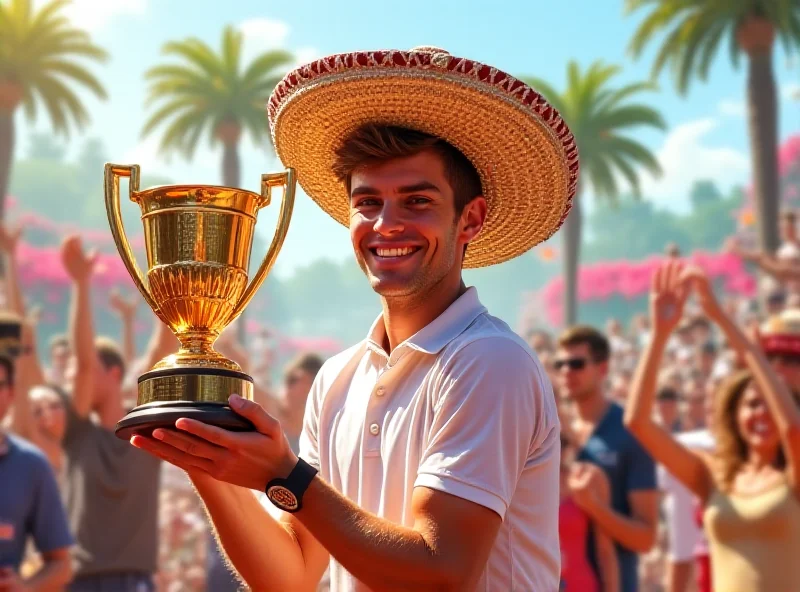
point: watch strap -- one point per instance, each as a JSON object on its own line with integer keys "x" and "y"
{"x": 296, "y": 483}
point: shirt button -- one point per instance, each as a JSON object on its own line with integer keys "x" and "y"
{"x": 380, "y": 391}
{"x": 374, "y": 429}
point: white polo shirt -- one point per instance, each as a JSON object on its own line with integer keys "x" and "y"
{"x": 463, "y": 407}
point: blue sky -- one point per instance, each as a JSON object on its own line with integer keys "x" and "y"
{"x": 707, "y": 130}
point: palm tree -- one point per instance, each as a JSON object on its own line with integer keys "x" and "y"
{"x": 599, "y": 115}
{"x": 694, "y": 31}
{"x": 38, "y": 51}
{"x": 209, "y": 91}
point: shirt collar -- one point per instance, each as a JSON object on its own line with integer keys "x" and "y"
{"x": 432, "y": 338}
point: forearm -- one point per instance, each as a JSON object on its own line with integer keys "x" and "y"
{"x": 16, "y": 303}
{"x": 607, "y": 562}
{"x": 639, "y": 407}
{"x": 128, "y": 339}
{"x": 263, "y": 551}
{"x": 81, "y": 329}
{"x": 633, "y": 534}
{"x": 779, "y": 269}
{"x": 776, "y": 393}
{"x": 379, "y": 553}
{"x": 53, "y": 576}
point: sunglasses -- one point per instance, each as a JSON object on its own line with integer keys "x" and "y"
{"x": 571, "y": 363}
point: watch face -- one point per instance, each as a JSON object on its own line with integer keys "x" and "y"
{"x": 282, "y": 497}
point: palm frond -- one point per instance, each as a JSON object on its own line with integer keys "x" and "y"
{"x": 77, "y": 73}
{"x": 633, "y": 150}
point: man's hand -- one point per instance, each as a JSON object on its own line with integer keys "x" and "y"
{"x": 246, "y": 459}
{"x": 78, "y": 265}
{"x": 126, "y": 308}
{"x": 588, "y": 485}
{"x": 9, "y": 239}
{"x": 10, "y": 581}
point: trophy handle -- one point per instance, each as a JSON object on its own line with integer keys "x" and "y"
{"x": 287, "y": 180}
{"x": 113, "y": 172}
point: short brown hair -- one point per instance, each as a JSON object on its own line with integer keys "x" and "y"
{"x": 373, "y": 144}
{"x": 598, "y": 344}
{"x": 309, "y": 363}
{"x": 110, "y": 355}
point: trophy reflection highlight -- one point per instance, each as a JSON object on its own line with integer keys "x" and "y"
{"x": 198, "y": 240}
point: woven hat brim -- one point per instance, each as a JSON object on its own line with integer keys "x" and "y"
{"x": 527, "y": 177}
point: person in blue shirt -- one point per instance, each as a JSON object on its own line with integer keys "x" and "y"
{"x": 604, "y": 444}
{"x": 30, "y": 507}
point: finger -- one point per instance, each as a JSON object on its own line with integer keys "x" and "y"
{"x": 263, "y": 421}
{"x": 217, "y": 436}
{"x": 187, "y": 443}
{"x": 674, "y": 274}
{"x": 171, "y": 454}
{"x": 656, "y": 284}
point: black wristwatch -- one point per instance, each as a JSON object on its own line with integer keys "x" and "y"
{"x": 287, "y": 494}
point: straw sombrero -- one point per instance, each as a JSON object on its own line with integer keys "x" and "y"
{"x": 780, "y": 334}
{"x": 524, "y": 153}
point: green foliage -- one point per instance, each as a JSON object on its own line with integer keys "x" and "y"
{"x": 601, "y": 117}
{"x": 39, "y": 50}
{"x": 693, "y": 30}
{"x": 206, "y": 89}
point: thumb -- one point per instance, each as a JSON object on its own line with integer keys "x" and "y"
{"x": 263, "y": 421}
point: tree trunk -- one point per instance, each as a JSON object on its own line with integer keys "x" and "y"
{"x": 572, "y": 233}
{"x": 6, "y": 158}
{"x": 6, "y": 155}
{"x": 763, "y": 124}
{"x": 231, "y": 177}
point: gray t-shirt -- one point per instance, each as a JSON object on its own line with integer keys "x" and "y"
{"x": 30, "y": 505}
{"x": 111, "y": 491}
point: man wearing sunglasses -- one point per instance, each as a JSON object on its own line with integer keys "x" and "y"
{"x": 603, "y": 442}
{"x": 780, "y": 339}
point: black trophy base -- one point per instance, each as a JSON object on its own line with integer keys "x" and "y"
{"x": 143, "y": 420}
{"x": 167, "y": 394}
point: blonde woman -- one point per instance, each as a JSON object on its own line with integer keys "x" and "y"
{"x": 749, "y": 486}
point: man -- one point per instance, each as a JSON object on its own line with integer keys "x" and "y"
{"x": 30, "y": 507}
{"x": 298, "y": 377}
{"x": 430, "y": 450}
{"x": 632, "y": 518}
{"x": 110, "y": 489}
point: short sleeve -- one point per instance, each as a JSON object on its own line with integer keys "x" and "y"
{"x": 309, "y": 437}
{"x": 49, "y": 527}
{"x": 641, "y": 468}
{"x": 493, "y": 411}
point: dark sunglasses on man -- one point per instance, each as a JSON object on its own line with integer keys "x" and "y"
{"x": 571, "y": 363}
{"x": 785, "y": 359}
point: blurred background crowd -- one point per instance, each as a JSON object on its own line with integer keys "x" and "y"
{"x": 666, "y": 311}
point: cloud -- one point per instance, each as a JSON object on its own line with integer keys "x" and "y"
{"x": 94, "y": 15}
{"x": 263, "y": 34}
{"x": 685, "y": 157}
{"x": 732, "y": 108}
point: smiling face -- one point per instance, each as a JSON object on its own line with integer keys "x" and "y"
{"x": 406, "y": 233}
{"x": 755, "y": 424}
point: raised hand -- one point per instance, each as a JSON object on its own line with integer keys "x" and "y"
{"x": 667, "y": 297}
{"x": 697, "y": 280}
{"x": 78, "y": 264}
{"x": 126, "y": 308}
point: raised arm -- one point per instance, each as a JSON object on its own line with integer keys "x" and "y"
{"x": 9, "y": 239}
{"x": 667, "y": 298}
{"x": 126, "y": 309}
{"x": 81, "y": 327}
{"x": 28, "y": 375}
{"x": 781, "y": 270}
{"x": 162, "y": 343}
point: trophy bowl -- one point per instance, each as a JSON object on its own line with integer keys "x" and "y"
{"x": 198, "y": 240}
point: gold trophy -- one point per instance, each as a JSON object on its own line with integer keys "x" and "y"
{"x": 198, "y": 240}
